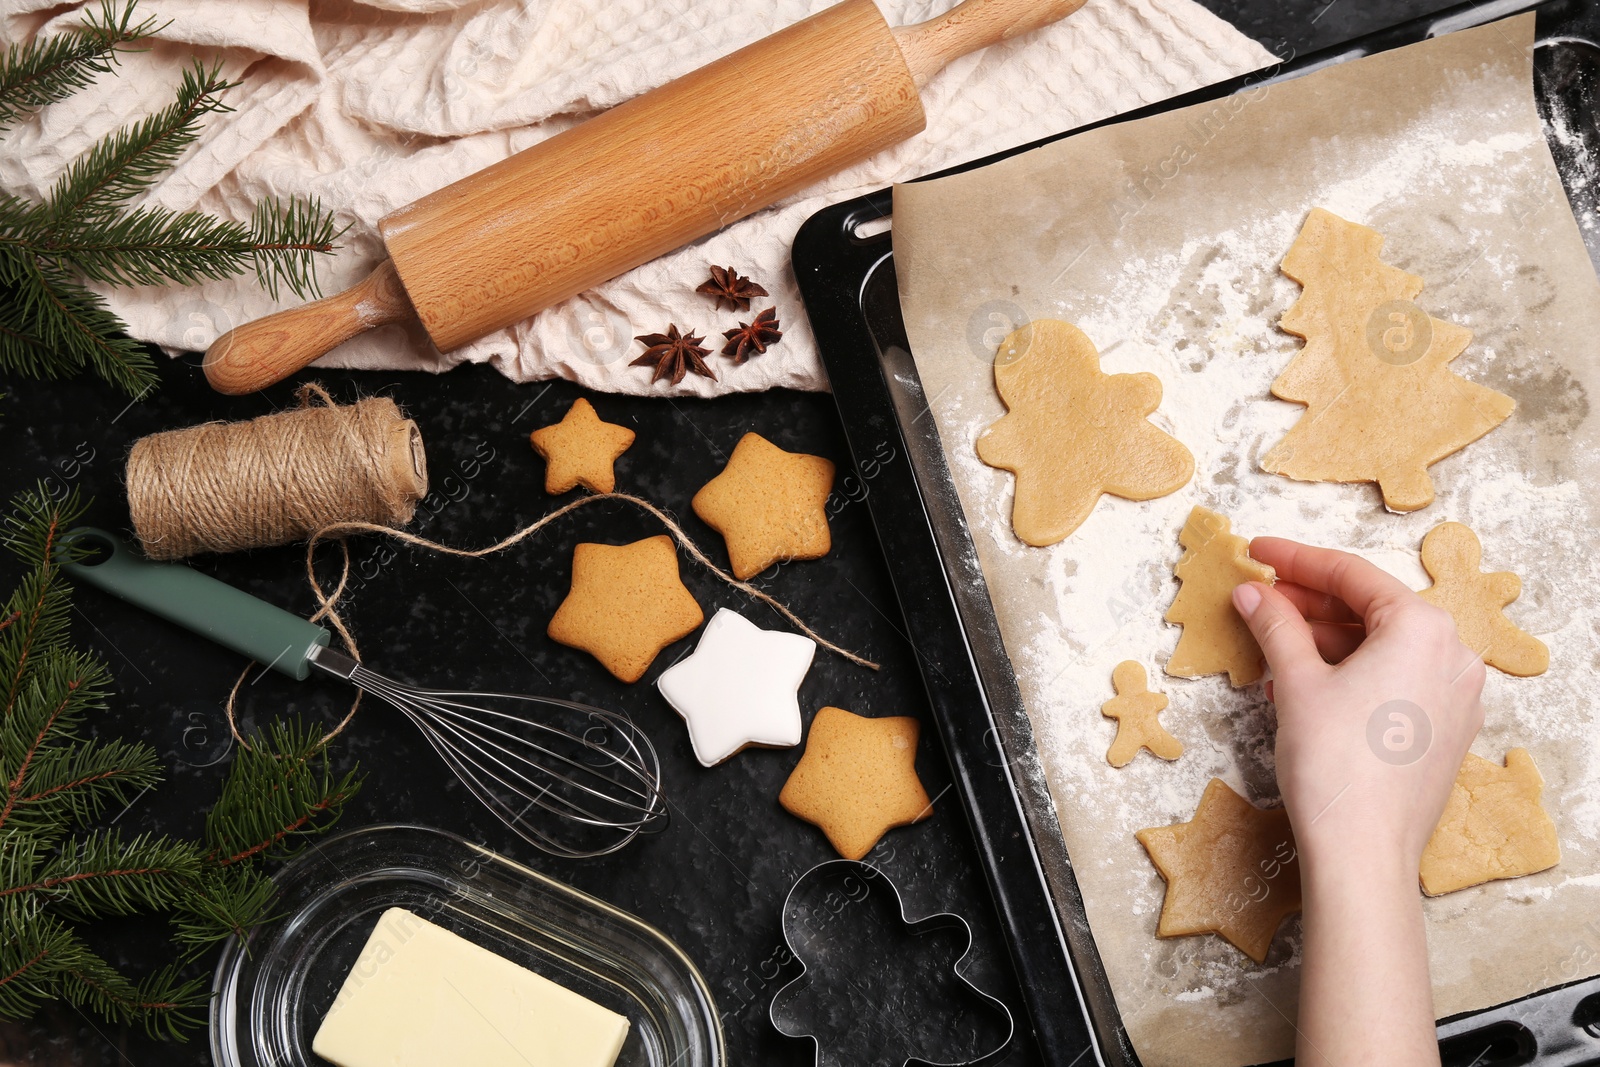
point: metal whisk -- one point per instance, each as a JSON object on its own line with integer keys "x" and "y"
{"x": 573, "y": 780}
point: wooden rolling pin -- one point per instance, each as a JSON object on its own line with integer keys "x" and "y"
{"x": 646, "y": 177}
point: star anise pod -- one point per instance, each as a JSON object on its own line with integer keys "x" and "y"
{"x": 752, "y": 338}
{"x": 674, "y": 355}
{"x": 726, "y": 286}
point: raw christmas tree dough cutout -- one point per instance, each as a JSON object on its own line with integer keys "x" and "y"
{"x": 627, "y": 603}
{"x": 1452, "y": 555}
{"x": 1493, "y": 826}
{"x": 1215, "y": 638}
{"x": 580, "y": 450}
{"x": 857, "y": 779}
{"x": 1381, "y": 402}
{"x": 769, "y": 505}
{"x": 1074, "y": 432}
{"x": 1231, "y": 870}
{"x": 1136, "y": 709}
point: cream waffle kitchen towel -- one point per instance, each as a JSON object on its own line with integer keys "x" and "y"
{"x": 370, "y": 105}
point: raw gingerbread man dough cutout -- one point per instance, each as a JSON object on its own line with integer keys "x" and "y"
{"x": 1074, "y": 432}
{"x": 1382, "y": 404}
{"x": 1215, "y": 638}
{"x": 1231, "y": 870}
{"x": 739, "y": 687}
{"x": 580, "y": 450}
{"x": 1452, "y": 555}
{"x": 627, "y": 603}
{"x": 1136, "y": 709}
{"x": 1493, "y": 827}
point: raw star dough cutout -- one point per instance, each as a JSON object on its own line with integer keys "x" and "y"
{"x": 1074, "y": 432}
{"x": 1452, "y": 555}
{"x": 1215, "y": 638}
{"x": 1136, "y": 709}
{"x": 1231, "y": 870}
{"x": 1493, "y": 826}
{"x": 738, "y": 688}
{"x": 1381, "y": 402}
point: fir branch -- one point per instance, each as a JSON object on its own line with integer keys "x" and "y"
{"x": 163, "y": 1005}
{"x": 50, "y": 311}
{"x": 224, "y": 902}
{"x": 74, "y": 784}
{"x": 102, "y": 874}
{"x": 285, "y": 240}
{"x": 36, "y": 73}
{"x": 31, "y": 531}
{"x": 281, "y": 789}
{"x": 125, "y": 163}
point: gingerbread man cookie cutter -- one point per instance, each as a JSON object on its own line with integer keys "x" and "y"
{"x": 879, "y": 988}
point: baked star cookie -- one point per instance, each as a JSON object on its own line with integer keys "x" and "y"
{"x": 1382, "y": 404}
{"x": 1136, "y": 709}
{"x": 580, "y": 450}
{"x": 1493, "y": 826}
{"x": 739, "y": 687}
{"x": 627, "y": 603}
{"x": 857, "y": 779}
{"x": 769, "y": 505}
{"x": 1231, "y": 870}
{"x": 1074, "y": 432}
{"x": 1215, "y": 638}
{"x": 1452, "y": 555}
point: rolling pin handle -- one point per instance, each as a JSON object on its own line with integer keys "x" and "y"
{"x": 268, "y": 350}
{"x": 969, "y": 26}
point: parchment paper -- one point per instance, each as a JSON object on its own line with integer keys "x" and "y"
{"x": 1162, "y": 239}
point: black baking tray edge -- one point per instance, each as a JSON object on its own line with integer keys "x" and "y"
{"x": 843, "y": 259}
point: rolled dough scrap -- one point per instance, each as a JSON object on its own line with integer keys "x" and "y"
{"x": 1215, "y": 638}
{"x": 1381, "y": 402}
{"x": 1452, "y": 555}
{"x": 1493, "y": 826}
{"x": 1231, "y": 870}
{"x": 1136, "y": 709}
{"x": 1073, "y": 432}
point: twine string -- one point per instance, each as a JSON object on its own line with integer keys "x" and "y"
{"x": 327, "y": 601}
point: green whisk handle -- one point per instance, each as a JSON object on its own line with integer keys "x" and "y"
{"x": 195, "y": 601}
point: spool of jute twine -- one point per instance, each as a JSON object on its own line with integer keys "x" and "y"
{"x": 227, "y": 486}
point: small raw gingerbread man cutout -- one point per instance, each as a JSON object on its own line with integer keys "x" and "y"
{"x": 1452, "y": 554}
{"x": 1135, "y": 708}
{"x": 580, "y": 450}
{"x": 627, "y": 603}
{"x": 1231, "y": 870}
{"x": 1074, "y": 432}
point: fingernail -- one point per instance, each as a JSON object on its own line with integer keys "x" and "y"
{"x": 1246, "y": 598}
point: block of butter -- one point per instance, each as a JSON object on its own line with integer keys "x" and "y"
{"x": 421, "y": 995}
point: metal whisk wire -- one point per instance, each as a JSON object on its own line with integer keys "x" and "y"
{"x": 604, "y": 778}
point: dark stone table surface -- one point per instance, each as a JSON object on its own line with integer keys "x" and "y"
{"x": 716, "y": 879}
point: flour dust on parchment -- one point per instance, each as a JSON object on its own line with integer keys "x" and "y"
{"x": 1462, "y": 196}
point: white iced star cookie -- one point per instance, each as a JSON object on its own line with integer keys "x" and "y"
{"x": 739, "y": 687}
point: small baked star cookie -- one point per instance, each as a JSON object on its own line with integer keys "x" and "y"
{"x": 857, "y": 779}
{"x": 627, "y": 603}
{"x": 1493, "y": 826}
{"x": 1452, "y": 555}
{"x": 1073, "y": 432}
{"x": 1215, "y": 638}
{"x": 1136, "y": 709}
{"x": 580, "y": 450}
{"x": 1231, "y": 870}
{"x": 739, "y": 687}
{"x": 769, "y": 505}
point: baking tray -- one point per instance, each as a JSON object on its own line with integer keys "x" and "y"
{"x": 844, "y": 262}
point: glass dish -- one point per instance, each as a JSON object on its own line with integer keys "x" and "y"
{"x": 273, "y": 988}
